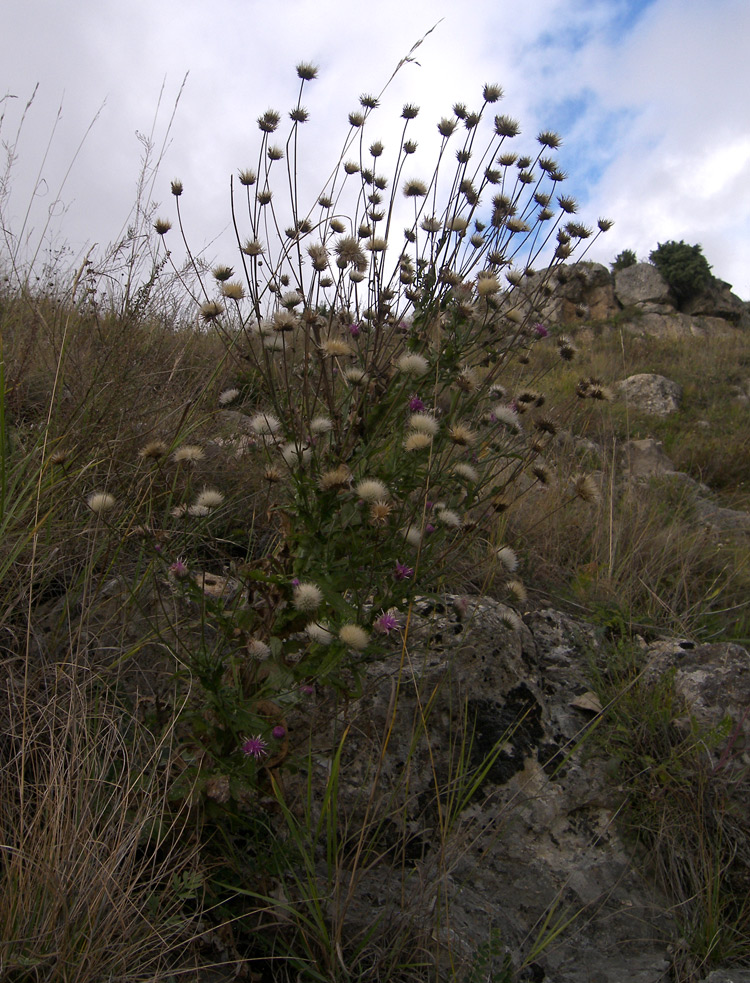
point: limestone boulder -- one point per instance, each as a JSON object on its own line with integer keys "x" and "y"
{"x": 651, "y": 393}
{"x": 642, "y": 284}
{"x": 718, "y": 301}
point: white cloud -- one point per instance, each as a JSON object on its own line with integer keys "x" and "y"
{"x": 650, "y": 98}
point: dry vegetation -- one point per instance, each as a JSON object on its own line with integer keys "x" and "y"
{"x": 213, "y": 503}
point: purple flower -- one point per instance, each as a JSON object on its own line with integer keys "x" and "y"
{"x": 541, "y": 331}
{"x": 179, "y": 569}
{"x": 416, "y": 405}
{"x": 429, "y": 528}
{"x": 354, "y": 330}
{"x": 255, "y": 747}
{"x": 295, "y": 581}
{"x": 387, "y": 622}
{"x": 307, "y": 690}
{"x": 279, "y": 732}
{"x": 403, "y": 572}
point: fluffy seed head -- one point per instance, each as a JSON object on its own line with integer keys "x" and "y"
{"x": 337, "y": 478}
{"x": 307, "y": 597}
{"x": 466, "y": 471}
{"x": 153, "y": 451}
{"x": 424, "y": 423}
{"x": 449, "y": 518}
{"x": 228, "y": 396}
{"x": 462, "y": 435}
{"x": 188, "y": 453}
{"x": 333, "y": 347}
{"x": 209, "y": 498}
{"x": 379, "y": 512}
{"x": 319, "y": 633}
{"x": 257, "y": 649}
{"x": 265, "y": 423}
{"x": 417, "y": 441}
{"x": 372, "y": 490}
{"x": 412, "y": 364}
{"x": 320, "y": 424}
{"x": 586, "y": 488}
{"x": 100, "y": 502}
{"x": 354, "y": 636}
{"x": 507, "y": 558}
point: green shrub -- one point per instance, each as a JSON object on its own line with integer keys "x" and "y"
{"x": 624, "y": 259}
{"x": 684, "y": 267}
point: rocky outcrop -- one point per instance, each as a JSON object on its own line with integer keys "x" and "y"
{"x": 643, "y": 284}
{"x": 523, "y": 834}
{"x": 589, "y": 292}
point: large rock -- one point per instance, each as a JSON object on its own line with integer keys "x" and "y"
{"x": 524, "y": 828}
{"x": 574, "y": 293}
{"x": 718, "y": 301}
{"x": 645, "y": 458}
{"x": 642, "y": 284}
{"x": 651, "y": 393}
{"x": 676, "y": 325}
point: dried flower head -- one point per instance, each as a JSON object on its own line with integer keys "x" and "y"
{"x": 307, "y": 71}
{"x": 265, "y": 423}
{"x": 100, "y": 502}
{"x": 466, "y": 471}
{"x": 415, "y": 188}
{"x": 585, "y": 488}
{"x": 412, "y": 364}
{"x": 319, "y": 633}
{"x": 258, "y": 649}
{"x": 417, "y": 441}
{"x": 188, "y": 454}
{"x": 371, "y": 490}
{"x": 335, "y": 347}
{"x": 354, "y": 637}
{"x": 211, "y": 310}
{"x": 233, "y": 290}
{"x": 460, "y": 434}
{"x": 153, "y": 451}
{"x": 379, "y": 512}
{"x": 321, "y": 424}
{"x": 337, "y": 478}
{"x": 507, "y": 558}
{"x": 209, "y": 498}
{"x": 228, "y": 396}
{"x": 424, "y": 423}
{"x": 247, "y": 178}
{"x": 449, "y": 518}
{"x": 307, "y": 597}
{"x": 162, "y": 226}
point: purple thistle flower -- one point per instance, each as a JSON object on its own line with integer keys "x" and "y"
{"x": 541, "y": 331}
{"x": 429, "y": 528}
{"x": 403, "y": 572}
{"x": 386, "y": 623}
{"x": 307, "y": 690}
{"x": 255, "y": 747}
{"x": 279, "y": 731}
{"x": 354, "y": 330}
{"x": 179, "y": 569}
{"x": 416, "y": 405}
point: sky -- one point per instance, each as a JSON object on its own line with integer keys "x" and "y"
{"x": 650, "y": 97}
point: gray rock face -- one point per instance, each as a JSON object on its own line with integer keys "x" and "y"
{"x": 718, "y": 301}
{"x": 645, "y": 458}
{"x": 533, "y": 832}
{"x": 576, "y": 292}
{"x": 675, "y": 325}
{"x": 651, "y": 393}
{"x": 642, "y": 284}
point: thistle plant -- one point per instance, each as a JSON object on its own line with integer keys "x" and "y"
{"x": 393, "y": 412}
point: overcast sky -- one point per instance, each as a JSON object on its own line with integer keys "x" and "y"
{"x": 650, "y": 97}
